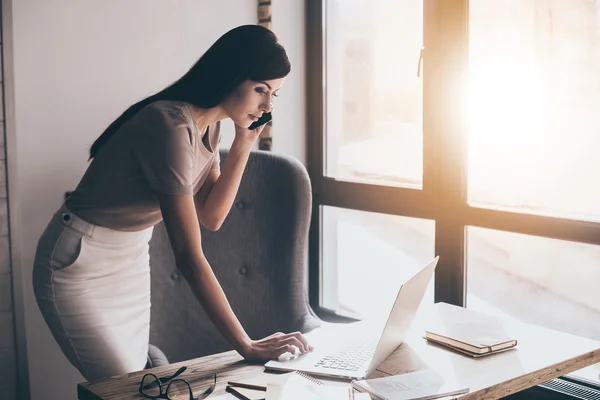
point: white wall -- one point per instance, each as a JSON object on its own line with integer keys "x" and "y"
{"x": 77, "y": 65}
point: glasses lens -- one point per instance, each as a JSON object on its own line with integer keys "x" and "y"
{"x": 178, "y": 389}
{"x": 150, "y": 386}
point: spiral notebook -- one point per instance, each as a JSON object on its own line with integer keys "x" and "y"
{"x": 418, "y": 385}
{"x": 247, "y": 394}
{"x": 260, "y": 381}
{"x": 290, "y": 386}
{"x": 255, "y": 388}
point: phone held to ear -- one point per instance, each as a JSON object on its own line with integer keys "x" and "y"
{"x": 266, "y": 117}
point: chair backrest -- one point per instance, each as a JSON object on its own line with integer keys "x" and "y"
{"x": 259, "y": 256}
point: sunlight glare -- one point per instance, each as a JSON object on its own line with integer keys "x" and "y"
{"x": 508, "y": 107}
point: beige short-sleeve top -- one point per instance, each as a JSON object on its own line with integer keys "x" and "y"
{"x": 159, "y": 149}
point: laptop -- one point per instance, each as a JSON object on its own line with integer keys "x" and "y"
{"x": 353, "y": 351}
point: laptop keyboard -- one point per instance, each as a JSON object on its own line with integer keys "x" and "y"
{"x": 350, "y": 358}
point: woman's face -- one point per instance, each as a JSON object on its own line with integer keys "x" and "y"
{"x": 250, "y": 100}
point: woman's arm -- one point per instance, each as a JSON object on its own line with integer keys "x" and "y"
{"x": 215, "y": 198}
{"x": 184, "y": 234}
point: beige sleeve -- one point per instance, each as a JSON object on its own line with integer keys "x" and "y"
{"x": 164, "y": 149}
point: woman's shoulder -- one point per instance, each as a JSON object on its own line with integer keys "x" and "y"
{"x": 172, "y": 108}
{"x": 163, "y": 113}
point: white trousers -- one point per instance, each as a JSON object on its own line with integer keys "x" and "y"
{"x": 92, "y": 285}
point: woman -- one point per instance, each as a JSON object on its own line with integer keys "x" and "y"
{"x": 158, "y": 161}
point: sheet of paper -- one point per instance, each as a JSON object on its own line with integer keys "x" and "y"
{"x": 227, "y": 396}
{"x": 426, "y": 384}
{"x": 301, "y": 392}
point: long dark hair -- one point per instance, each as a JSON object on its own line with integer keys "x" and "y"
{"x": 246, "y": 52}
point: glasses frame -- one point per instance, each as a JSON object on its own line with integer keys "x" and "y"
{"x": 164, "y": 391}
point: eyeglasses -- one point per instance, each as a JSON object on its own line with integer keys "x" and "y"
{"x": 152, "y": 387}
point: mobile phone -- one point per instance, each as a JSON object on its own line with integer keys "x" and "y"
{"x": 266, "y": 117}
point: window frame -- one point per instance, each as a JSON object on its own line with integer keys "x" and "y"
{"x": 443, "y": 197}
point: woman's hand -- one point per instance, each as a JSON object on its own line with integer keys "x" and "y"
{"x": 247, "y": 136}
{"x": 275, "y": 345}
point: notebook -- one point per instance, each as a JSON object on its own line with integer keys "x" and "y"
{"x": 260, "y": 381}
{"x": 247, "y": 394}
{"x": 293, "y": 385}
{"x": 418, "y": 385}
{"x": 255, "y": 388}
{"x": 470, "y": 332}
{"x": 465, "y": 352}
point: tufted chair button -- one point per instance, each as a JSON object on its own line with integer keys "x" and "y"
{"x": 243, "y": 271}
{"x": 239, "y": 205}
{"x": 66, "y": 217}
{"x": 175, "y": 275}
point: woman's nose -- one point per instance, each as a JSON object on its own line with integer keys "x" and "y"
{"x": 267, "y": 106}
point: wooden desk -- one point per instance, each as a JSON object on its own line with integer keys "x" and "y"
{"x": 541, "y": 355}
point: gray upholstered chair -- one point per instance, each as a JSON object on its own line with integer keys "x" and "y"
{"x": 259, "y": 256}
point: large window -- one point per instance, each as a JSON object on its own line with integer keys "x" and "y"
{"x": 387, "y": 248}
{"x": 374, "y": 97}
{"x": 534, "y": 92}
{"x": 464, "y": 129}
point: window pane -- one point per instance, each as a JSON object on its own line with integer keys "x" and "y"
{"x": 534, "y": 100}
{"x": 373, "y": 94}
{"x": 368, "y": 256}
{"x": 540, "y": 281}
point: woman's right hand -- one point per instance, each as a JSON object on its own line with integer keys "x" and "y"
{"x": 275, "y": 345}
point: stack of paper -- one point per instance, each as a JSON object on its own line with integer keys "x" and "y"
{"x": 418, "y": 385}
{"x": 300, "y": 392}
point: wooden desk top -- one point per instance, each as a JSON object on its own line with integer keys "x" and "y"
{"x": 541, "y": 354}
